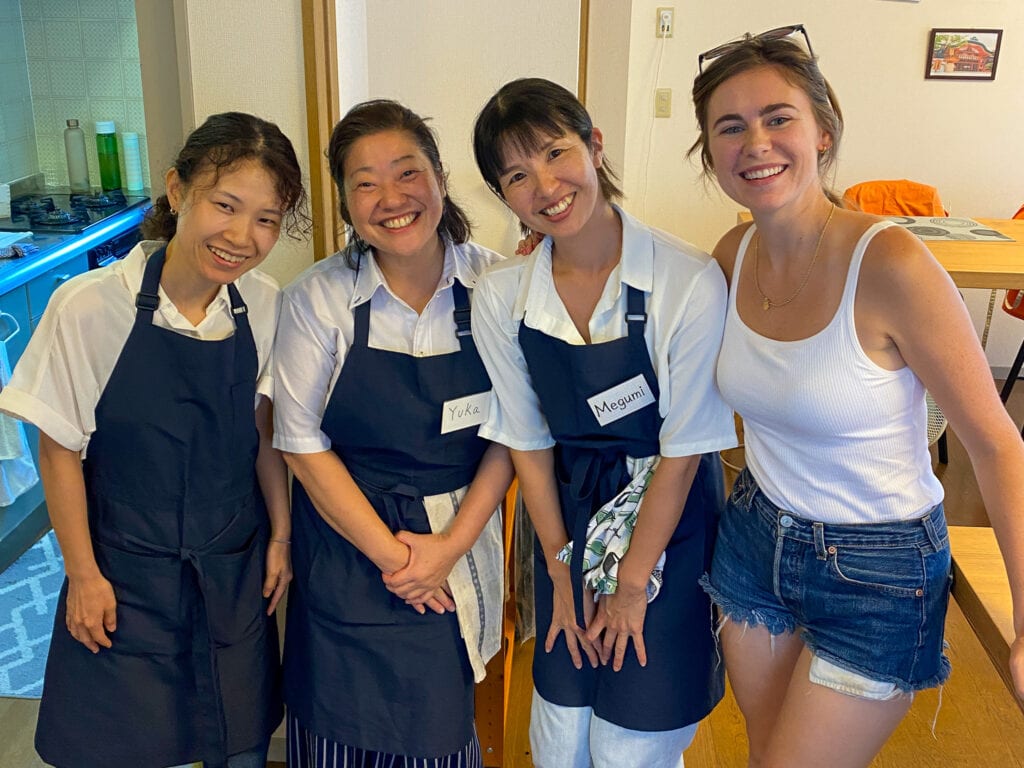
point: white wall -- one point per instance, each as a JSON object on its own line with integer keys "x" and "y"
{"x": 962, "y": 137}
{"x": 445, "y": 58}
{"x": 246, "y": 55}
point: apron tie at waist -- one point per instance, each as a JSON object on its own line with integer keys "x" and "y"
{"x": 585, "y": 467}
{"x": 208, "y": 685}
{"x": 204, "y": 646}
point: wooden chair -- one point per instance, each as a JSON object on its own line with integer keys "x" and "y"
{"x": 901, "y": 197}
{"x": 1013, "y": 304}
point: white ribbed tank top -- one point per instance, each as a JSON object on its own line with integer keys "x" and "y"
{"x": 829, "y": 434}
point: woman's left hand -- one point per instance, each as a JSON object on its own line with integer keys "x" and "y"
{"x": 620, "y": 617}
{"x": 279, "y": 573}
{"x": 431, "y": 559}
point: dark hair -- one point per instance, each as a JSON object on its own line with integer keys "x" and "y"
{"x": 377, "y": 116}
{"x": 521, "y": 115}
{"x": 218, "y": 144}
{"x": 800, "y": 70}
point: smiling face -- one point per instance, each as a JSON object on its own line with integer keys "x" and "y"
{"x": 393, "y": 195}
{"x": 227, "y": 221}
{"x": 554, "y": 189}
{"x": 764, "y": 140}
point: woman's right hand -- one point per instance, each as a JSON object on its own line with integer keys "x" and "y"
{"x": 91, "y": 611}
{"x": 563, "y": 619}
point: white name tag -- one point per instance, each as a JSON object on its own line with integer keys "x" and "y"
{"x": 621, "y": 400}
{"x": 468, "y": 411}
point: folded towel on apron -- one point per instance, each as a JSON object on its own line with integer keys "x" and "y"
{"x": 475, "y": 582}
{"x": 609, "y": 532}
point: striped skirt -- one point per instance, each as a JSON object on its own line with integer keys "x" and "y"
{"x": 308, "y": 750}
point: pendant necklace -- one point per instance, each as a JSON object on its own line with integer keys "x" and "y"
{"x": 767, "y": 303}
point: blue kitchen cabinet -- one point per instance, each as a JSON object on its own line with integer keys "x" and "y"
{"x": 26, "y": 519}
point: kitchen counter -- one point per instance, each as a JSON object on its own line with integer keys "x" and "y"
{"x": 26, "y": 284}
{"x": 54, "y": 249}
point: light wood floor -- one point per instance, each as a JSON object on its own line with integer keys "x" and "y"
{"x": 978, "y": 723}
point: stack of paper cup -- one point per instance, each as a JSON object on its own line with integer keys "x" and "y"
{"x": 132, "y": 161}
{"x": 5, "y": 201}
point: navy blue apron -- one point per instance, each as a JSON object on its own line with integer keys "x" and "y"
{"x": 179, "y": 527}
{"x": 683, "y": 680}
{"x": 362, "y": 668}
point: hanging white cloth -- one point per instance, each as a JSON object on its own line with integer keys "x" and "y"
{"x": 17, "y": 470}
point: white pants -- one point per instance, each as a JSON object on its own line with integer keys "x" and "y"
{"x": 573, "y": 737}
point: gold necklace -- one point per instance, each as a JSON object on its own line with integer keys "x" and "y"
{"x": 767, "y": 303}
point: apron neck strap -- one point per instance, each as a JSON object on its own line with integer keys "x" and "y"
{"x": 461, "y": 314}
{"x": 636, "y": 316}
{"x": 148, "y": 298}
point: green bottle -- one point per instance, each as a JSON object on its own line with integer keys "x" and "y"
{"x": 106, "y": 150}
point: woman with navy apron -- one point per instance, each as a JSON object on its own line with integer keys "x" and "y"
{"x": 396, "y": 604}
{"x": 148, "y": 380}
{"x": 601, "y": 345}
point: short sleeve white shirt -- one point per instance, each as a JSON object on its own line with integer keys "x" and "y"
{"x": 317, "y": 328}
{"x": 63, "y": 372}
{"x": 685, "y": 296}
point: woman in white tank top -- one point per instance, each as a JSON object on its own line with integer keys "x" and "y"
{"x": 831, "y": 567}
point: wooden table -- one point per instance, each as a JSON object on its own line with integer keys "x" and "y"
{"x": 978, "y": 263}
{"x": 982, "y": 591}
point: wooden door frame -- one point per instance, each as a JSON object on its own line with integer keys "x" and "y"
{"x": 320, "y": 62}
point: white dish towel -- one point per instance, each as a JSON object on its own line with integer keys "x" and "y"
{"x": 475, "y": 581}
{"x": 17, "y": 470}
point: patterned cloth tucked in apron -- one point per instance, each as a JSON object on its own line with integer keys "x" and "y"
{"x": 362, "y": 668}
{"x": 179, "y": 528}
{"x": 682, "y": 681}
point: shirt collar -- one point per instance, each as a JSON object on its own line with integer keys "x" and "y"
{"x": 370, "y": 279}
{"x": 635, "y": 267}
{"x": 135, "y": 267}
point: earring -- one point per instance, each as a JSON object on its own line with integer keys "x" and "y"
{"x": 173, "y": 212}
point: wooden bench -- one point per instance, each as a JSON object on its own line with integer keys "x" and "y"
{"x": 982, "y": 591}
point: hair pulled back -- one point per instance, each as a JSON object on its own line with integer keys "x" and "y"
{"x": 377, "y": 116}
{"x": 799, "y": 69}
{"x": 217, "y": 145}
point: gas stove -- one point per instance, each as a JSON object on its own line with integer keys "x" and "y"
{"x": 60, "y": 211}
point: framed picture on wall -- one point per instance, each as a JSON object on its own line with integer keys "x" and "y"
{"x": 963, "y": 54}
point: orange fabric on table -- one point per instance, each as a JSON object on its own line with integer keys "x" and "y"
{"x": 898, "y": 197}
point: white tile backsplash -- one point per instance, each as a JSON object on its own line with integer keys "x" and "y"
{"x": 101, "y": 40}
{"x": 80, "y": 60}
{"x": 105, "y": 81}
{"x": 63, "y": 40}
{"x": 98, "y": 9}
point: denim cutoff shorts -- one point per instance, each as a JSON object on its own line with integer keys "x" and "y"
{"x": 870, "y": 599}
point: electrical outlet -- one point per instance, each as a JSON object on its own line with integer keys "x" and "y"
{"x": 663, "y": 102}
{"x": 666, "y": 21}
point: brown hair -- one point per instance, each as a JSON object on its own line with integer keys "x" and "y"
{"x": 520, "y": 115}
{"x": 218, "y": 144}
{"x": 380, "y": 115}
{"x": 800, "y": 70}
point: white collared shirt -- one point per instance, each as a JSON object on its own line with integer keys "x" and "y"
{"x": 685, "y": 295}
{"x": 63, "y": 372}
{"x": 317, "y": 328}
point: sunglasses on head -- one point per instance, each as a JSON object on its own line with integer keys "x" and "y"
{"x": 772, "y": 34}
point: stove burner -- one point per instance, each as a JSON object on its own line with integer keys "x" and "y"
{"x": 31, "y": 206}
{"x": 112, "y": 199}
{"x": 57, "y": 218}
